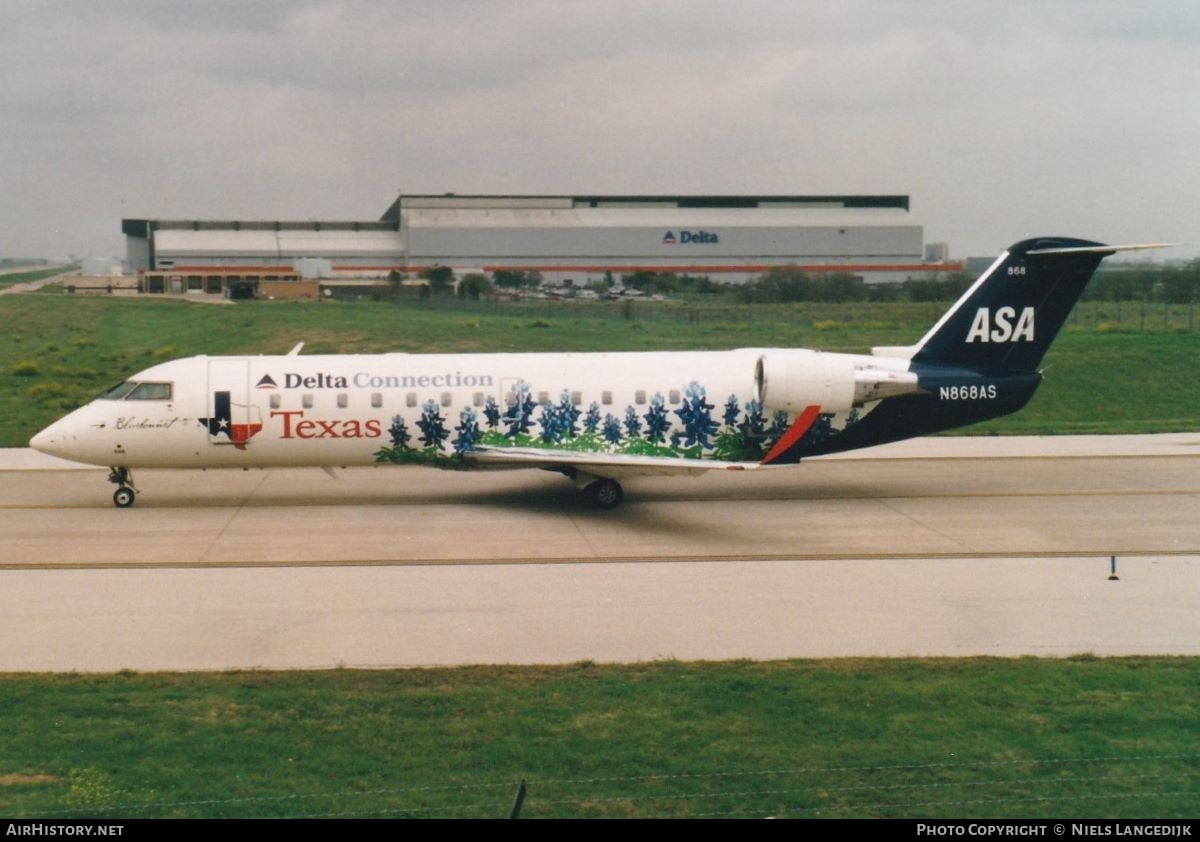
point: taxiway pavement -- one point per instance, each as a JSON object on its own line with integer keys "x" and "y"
{"x": 953, "y": 546}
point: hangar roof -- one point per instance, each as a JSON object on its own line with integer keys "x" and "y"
{"x": 742, "y": 202}
{"x": 645, "y": 217}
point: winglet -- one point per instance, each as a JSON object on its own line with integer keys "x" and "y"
{"x": 295, "y": 352}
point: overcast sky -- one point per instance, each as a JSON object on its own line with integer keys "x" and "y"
{"x": 1000, "y": 120}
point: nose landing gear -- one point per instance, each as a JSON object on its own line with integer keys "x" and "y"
{"x": 123, "y": 497}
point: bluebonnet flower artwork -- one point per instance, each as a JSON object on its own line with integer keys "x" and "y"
{"x": 550, "y": 424}
{"x": 821, "y": 429}
{"x": 491, "y": 412}
{"x": 568, "y": 416}
{"x": 696, "y": 416}
{"x": 398, "y": 432}
{"x": 612, "y": 429}
{"x": 432, "y": 425}
{"x": 742, "y": 430}
{"x": 657, "y": 421}
{"x": 779, "y": 425}
{"x": 519, "y": 416}
{"x": 731, "y": 411}
{"x": 633, "y": 426}
{"x": 467, "y": 429}
{"x": 591, "y": 421}
{"x": 753, "y": 426}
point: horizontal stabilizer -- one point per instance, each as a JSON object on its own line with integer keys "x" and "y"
{"x": 1100, "y": 249}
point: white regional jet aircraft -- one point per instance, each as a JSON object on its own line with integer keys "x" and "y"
{"x": 597, "y": 417}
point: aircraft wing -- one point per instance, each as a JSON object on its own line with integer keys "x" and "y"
{"x": 607, "y": 465}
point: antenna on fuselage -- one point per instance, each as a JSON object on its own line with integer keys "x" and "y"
{"x": 295, "y": 352}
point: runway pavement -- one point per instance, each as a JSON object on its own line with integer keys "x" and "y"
{"x": 951, "y": 546}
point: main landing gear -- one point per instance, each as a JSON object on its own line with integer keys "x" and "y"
{"x": 124, "y": 495}
{"x": 605, "y": 493}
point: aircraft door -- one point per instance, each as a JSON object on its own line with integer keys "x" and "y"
{"x": 232, "y": 419}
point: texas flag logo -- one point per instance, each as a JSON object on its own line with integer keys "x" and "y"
{"x": 267, "y": 382}
{"x": 669, "y": 239}
{"x": 221, "y": 422}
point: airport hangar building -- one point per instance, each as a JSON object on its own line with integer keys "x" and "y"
{"x": 576, "y": 238}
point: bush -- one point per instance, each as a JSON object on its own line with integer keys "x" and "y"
{"x": 49, "y": 390}
{"x": 473, "y": 286}
{"x": 26, "y": 368}
{"x": 91, "y": 791}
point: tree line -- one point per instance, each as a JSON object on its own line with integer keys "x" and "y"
{"x": 780, "y": 284}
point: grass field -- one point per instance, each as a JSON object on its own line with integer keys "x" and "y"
{"x": 1079, "y": 737}
{"x": 1108, "y": 372}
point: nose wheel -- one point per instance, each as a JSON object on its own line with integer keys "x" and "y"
{"x": 124, "y": 496}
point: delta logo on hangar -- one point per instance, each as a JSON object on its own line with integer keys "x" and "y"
{"x": 690, "y": 238}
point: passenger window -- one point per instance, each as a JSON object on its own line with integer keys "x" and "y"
{"x": 576, "y": 398}
{"x": 307, "y": 401}
{"x": 376, "y": 400}
{"x": 410, "y": 400}
{"x": 343, "y": 400}
{"x": 477, "y": 399}
{"x": 510, "y": 399}
{"x": 446, "y": 397}
{"x": 276, "y": 400}
{"x": 544, "y": 398}
{"x": 150, "y": 392}
{"x": 606, "y": 398}
{"x": 639, "y": 397}
{"x": 674, "y": 396}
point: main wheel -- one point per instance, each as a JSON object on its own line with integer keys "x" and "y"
{"x": 123, "y": 497}
{"x": 606, "y": 493}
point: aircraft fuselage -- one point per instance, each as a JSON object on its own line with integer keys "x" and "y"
{"x": 264, "y": 411}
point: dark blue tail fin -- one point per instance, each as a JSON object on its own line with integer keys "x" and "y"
{"x": 980, "y": 360}
{"x": 1009, "y": 317}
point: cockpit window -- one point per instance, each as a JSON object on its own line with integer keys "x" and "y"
{"x": 150, "y": 392}
{"x": 119, "y": 391}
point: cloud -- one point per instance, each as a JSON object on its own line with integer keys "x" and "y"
{"x": 999, "y": 120}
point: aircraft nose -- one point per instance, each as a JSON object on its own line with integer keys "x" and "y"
{"x": 44, "y": 441}
{"x": 74, "y": 437}
{"x": 53, "y": 441}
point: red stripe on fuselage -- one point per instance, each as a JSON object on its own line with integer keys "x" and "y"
{"x": 794, "y": 433}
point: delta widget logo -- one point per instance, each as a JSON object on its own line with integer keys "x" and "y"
{"x": 690, "y": 238}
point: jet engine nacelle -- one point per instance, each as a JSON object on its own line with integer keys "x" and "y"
{"x": 791, "y": 380}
